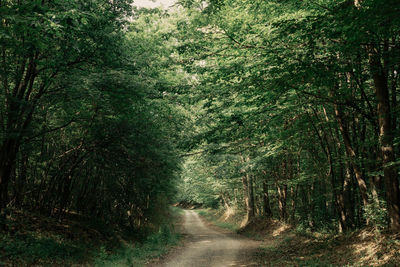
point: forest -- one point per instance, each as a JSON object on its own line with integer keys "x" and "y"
{"x": 284, "y": 110}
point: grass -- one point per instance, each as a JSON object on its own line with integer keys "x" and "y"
{"x": 34, "y": 240}
{"x": 129, "y": 255}
{"x": 284, "y": 245}
{"x": 360, "y": 248}
{"x": 137, "y": 255}
{"x": 176, "y": 211}
{"x": 30, "y": 249}
{"x": 214, "y": 216}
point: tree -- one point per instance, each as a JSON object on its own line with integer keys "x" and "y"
{"x": 304, "y": 84}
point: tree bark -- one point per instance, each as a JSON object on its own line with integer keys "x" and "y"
{"x": 386, "y": 138}
{"x": 8, "y": 156}
{"x": 352, "y": 155}
{"x": 267, "y": 205}
{"x": 293, "y": 195}
{"x": 282, "y": 194}
{"x": 248, "y": 197}
{"x": 250, "y": 187}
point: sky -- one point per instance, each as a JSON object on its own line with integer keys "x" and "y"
{"x": 157, "y": 3}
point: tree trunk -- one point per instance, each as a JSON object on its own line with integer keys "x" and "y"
{"x": 21, "y": 181}
{"x": 282, "y": 193}
{"x": 251, "y": 209}
{"x": 7, "y": 160}
{"x": 386, "y": 139}
{"x": 248, "y": 197}
{"x": 345, "y": 206}
{"x": 226, "y": 199}
{"x": 267, "y": 206}
{"x": 293, "y": 195}
{"x": 352, "y": 155}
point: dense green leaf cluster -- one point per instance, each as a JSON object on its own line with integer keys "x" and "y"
{"x": 300, "y": 109}
{"x": 87, "y": 124}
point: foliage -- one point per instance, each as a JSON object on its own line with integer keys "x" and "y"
{"x": 214, "y": 216}
{"x": 154, "y": 246}
{"x": 281, "y": 109}
{"x": 30, "y": 250}
{"x": 377, "y": 214}
{"x": 289, "y": 99}
{"x": 87, "y": 121}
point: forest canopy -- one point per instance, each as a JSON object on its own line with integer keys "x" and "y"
{"x": 283, "y": 109}
{"x": 85, "y": 123}
{"x": 298, "y": 105}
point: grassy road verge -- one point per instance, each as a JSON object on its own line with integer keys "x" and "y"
{"x": 284, "y": 245}
{"x": 34, "y": 240}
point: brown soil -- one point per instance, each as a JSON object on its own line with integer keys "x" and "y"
{"x": 282, "y": 246}
{"x": 206, "y": 245}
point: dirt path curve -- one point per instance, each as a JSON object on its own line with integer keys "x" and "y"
{"x": 207, "y": 247}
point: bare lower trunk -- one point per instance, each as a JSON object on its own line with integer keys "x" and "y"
{"x": 352, "y": 155}
{"x": 248, "y": 197}
{"x": 267, "y": 206}
{"x": 386, "y": 139}
{"x": 345, "y": 211}
{"x": 293, "y": 195}
{"x": 20, "y": 183}
{"x": 226, "y": 199}
{"x": 7, "y": 161}
{"x": 282, "y": 193}
{"x": 250, "y": 188}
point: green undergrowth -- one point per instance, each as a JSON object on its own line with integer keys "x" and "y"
{"x": 216, "y": 218}
{"x": 137, "y": 255}
{"x": 35, "y": 240}
{"x": 177, "y": 211}
{"x": 289, "y": 247}
{"x": 284, "y": 245}
{"x": 34, "y": 249}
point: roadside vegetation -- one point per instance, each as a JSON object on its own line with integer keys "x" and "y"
{"x": 90, "y": 136}
{"x": 215, "y": 217}
{"x": 152, "y": 247}
{"x": 286, "y": 245}
{"x": 297, "y": 111}
{"x": 297, "y": 125}
{"x": 280, "y": 113}
{"x": 37, "y": 240}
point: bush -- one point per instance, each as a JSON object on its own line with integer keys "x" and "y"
{"x": 376, "y": 213}
{"x": 30, "y": 249}
{"x": 136, "y": 255}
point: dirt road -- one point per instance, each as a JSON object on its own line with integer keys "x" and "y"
{"x": 210, "y": 247}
